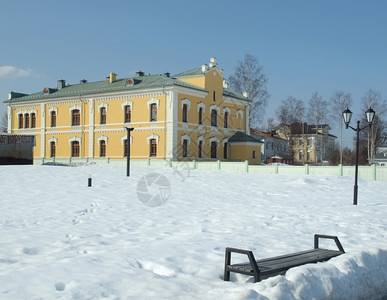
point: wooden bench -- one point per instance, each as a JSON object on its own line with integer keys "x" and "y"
{"x": 268, "y": 267}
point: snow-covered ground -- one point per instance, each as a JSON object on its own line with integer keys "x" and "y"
{"x": 60, "y": 239}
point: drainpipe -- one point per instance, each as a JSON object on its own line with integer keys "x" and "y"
{"x": 165, "y": 122}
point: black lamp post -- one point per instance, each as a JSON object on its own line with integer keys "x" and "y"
{"x": 129, "y": 129}
{"x": 347, "y": 114}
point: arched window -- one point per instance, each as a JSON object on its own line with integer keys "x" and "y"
{"x": 200, "y": 148}
{"x": 153, "y": 147}
{"x": 33, "y": 120}
{"x": 214, "y": 146}
{"x": 225, "y": 152}
{"x": 75, "y": 149}
{"x": 75, "y": 117}
{"x": 153, "y": 112}
{"x": 53, "y": 118}
{"x": 21, "y": 121}
{"x": 226, "y": 119}
{"x": 185, "y": 113}
{"x": 127, "y": 114}
{"x": 52, "y": 149}
{"x": 185, "y": 148}
{"x": 102, "y": 148}
{"x": 200, "y": 115}
{"x": 102, "y": 115}
{"x": 214, "y": 118}
{"x": 26, "y": 121}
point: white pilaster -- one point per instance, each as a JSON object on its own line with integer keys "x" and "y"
{"x": 43, "y": 130}
{"x": 91, "y": 128}
{"x": 9, "y": 119}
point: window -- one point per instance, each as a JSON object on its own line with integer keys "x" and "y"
{"x": 75, "y": 117}
{"x": 200, "y": 147}
{"x": 226, "y": 119}
{"x": 153, "y": 112}
{"x": 33, "y": 120}
{"x": 254, "y": 154}
{"x": 308, "y": 157}
{"x": 309, "y": 142}
{"x": 102, "y": 148}
{"x": 300, "y": 155}
{"x": 127, "y": 112}
{"x": 125, "y": 147}
{"x": 153, "y": 147}
{"x": 214, "y": 95}
{"x": 26, "y": 121}
{"x": 75, "y": 149}
{"x": 300, "y": 142}
{"x": 52, "y": 149}
{"x": 20, "y": 121}
{"x": 200, "y": 115}
{"x": 185, "y": 113}
{"x": 102, "y": 115}
{"x": 214, "y": 146}
{"x": 225, "y": 147}
{"x": 214, "y": 118}
{"x": 53, "y": 119}
{"x": 185, "y": 148}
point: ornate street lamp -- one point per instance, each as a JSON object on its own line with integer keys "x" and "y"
{"x": 129, "y": 129}
{"x": 347, "y": 115}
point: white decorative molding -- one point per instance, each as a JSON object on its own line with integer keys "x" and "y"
{"x": 124, "y": 137}
{"x": 186, "y": 101}
{"x": 53, "y": 108}
{"x": 76, "y": 106}
{"x": 103, "y": 104}
{"x": 153, "y": 101}
{"x": 75, "y": 139}
{"x": 216, "y": 107}
{"x": 225, "y": 141}
{"x": 214, "y": 139}
{"x": 53, "y": 139}
{"x": 226, "y": 109}
{"x": 127, "y": 103}
{"x": 201, "y": 139}
{"x": 9, "y": 119}
{"x": 102, "y": 138}
{"x": 153, "y": 136}
{"x": 201, "y": 105}
{"x": 185, "y": 137}
{"x": 239, "y": 113}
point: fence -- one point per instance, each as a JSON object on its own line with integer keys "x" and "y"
{"x": 365, "y": 172}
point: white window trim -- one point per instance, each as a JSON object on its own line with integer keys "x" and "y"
{"x": 202, "y": 139}
{"x": 76, "y": 106}
{"x": 185, "y": 137}
{"x": 153, "y": 101}
{"x": 153, "y": 136}
{"x": 226, "y": 109}
{"x": 216, "y": 107}
{"x": 240, "y": 113}
{"x": 214, "y": 139}
{"x": 186, "y": 101}
{"x": 103, "y": 104}
{"x": 53, "y": 139}
{"x": 225, "y": 141}
{"x": 127, "y": 103}
{"x": 124, "y": 137}
{"x": 75, "y": 139}
{"x": 53, "y": 108}
{"x": 102, "y": 138}
{"x": 203, "y": 106}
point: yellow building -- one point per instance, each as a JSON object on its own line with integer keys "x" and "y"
{"x": 308, "y": 144}
{"x": 189, "y": 116}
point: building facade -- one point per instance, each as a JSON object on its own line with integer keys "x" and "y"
{"x": 381, "y": 154}
{"x": 308, "y": 144}
{"x": 191, "y": 115}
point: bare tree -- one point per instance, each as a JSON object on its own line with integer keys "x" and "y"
{"x": 339, "y": 102}
{"x": 291, "y": 113}
{"x": 4, "y": 122}
{"x": 249, "y": 77}
{"x": 317, "y": 115}
{"x": 375, "y": 134}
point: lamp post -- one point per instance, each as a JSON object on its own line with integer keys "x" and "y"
{"x": 347, "y": 114}
{"x": 129, "y": 129}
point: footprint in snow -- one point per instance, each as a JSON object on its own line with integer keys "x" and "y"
{"x": 31, "y": 251}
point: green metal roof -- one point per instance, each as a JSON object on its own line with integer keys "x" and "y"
{"x": 193, "y": 72}
{"x": 243, "y": 137}
{"x": 140, "y": 82}
{"x": 380, "y": 155}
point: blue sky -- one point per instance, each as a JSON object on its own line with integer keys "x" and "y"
{"x": 304, "y": 46}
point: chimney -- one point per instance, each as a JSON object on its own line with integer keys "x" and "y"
{"x": 83, "y": 81}
{"x": 245, "y": 94}
{"x": 61, "y": 84}
{"x": 167, "y": 74}
{"x": 213, "y": 63}
{"x": 139, "y": 73}
{"x": 225, "y": 84}
{"x": 204, "y": 68}
{"x": 112, "y": 77}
